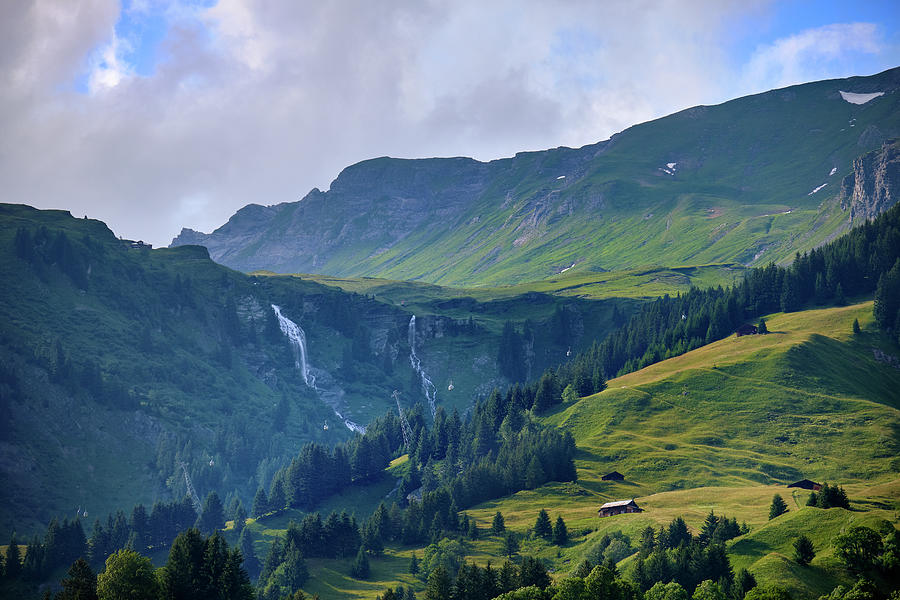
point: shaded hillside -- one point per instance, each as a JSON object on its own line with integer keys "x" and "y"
{"x": 750, "y": 181}
{"x": 119, "y": 361}
{"x": 720, "y": 428}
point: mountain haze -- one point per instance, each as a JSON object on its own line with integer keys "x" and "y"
{"x": 752, "y": 180}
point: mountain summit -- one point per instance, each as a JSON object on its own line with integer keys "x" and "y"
{"x": 752, "y": 180}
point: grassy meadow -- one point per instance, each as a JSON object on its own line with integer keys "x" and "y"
{"x": 722, "y": 428}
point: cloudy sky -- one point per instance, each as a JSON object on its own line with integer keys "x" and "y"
{"x": 154, "y": 115}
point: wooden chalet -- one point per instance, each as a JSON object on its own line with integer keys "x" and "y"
{"x": 613, "y": 476}
{"x": 747, "y": 329}
{"x": 806, "y": 484}
{"x": 619, "y": 507}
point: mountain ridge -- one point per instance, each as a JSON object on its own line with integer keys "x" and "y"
{"x": 751, "y": 180}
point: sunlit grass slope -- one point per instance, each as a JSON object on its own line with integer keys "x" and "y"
{"x": 807, "y": 400}
{"x": 721, "y": 428}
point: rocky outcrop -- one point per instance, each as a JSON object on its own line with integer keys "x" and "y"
{"x": 874, "y": 185}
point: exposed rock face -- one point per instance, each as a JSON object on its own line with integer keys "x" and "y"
{"x": 874, "y": 185}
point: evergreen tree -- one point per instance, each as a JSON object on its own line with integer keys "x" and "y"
{"x": 762, "y": 328}
{"x": 534, "y": 474}
{"x": 80, "y": 582}
{"x": 547, "y": 393}
{"x": 361, "y": 565}
{"x": 803, "y": 550}
{"x": 542, "y": 526}
{"x": 438, "y": 586}
{"x": 414, "y": 564}
{"x": 778, "y": 507}
{"x": 497, "y": 525}
{"x": 856, "y": 329}
{"x": 744, "y": 581}
{"x": 560, "y": 532}
{"x": 510, "y": 545}
{"x": 251, "y": 562}
{"x": 182, "y": 574}
{"x": 212, "y": 517}
{"x": 260, "y": 502}
{"x": 887, "y": 297}
{"x": 583, "y": 569}
{"x": 678, "y": 533}
{"x": 13, "y": 560}
{"x": 472, "y": 532}
{"x": 533, "y": 572}
{"x": 277, "y": 497}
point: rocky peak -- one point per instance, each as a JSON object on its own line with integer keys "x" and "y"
{"x": 874, "y": 185}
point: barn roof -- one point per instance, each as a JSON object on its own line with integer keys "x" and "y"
{"x": 617, "y": 503}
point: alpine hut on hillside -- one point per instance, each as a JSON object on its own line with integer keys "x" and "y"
{"x": 747, "y": 329}
{"x": 806, "y": 484}
{"x": 619, "y": 507}
{"x": 613, "y": 476}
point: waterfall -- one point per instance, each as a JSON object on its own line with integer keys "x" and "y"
{"x": 428, "y": 387}
{"x": 297, "y": 337}
{"x": 331, "y": 394}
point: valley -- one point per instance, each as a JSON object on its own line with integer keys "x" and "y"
{"x": 340, "y": 395}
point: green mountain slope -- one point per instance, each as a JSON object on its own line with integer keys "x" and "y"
{"x": 749, "y": 181}
{"x": 720, "y": 428}
{"x": 117, "y": 362}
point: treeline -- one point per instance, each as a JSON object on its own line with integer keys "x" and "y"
{"x": 455, "y": 464}
{"x": 673, "y": 554}
{"x": 197, "y": 567}
{"x": 863, "y": 261}
{"x": 142, "y": 531}
{"x": 284, "y": 568}
{"x": 498, "y": 450}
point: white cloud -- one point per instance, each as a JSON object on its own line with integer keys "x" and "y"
{"x": 260, "y": 101}
{"x": 802, "y": 56}
{"x": 108, "y": 67}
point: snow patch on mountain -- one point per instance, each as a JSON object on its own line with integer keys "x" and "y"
{"x": 854, "y": 98}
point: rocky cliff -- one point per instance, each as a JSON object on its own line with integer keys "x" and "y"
{"x": 874, "y": 185}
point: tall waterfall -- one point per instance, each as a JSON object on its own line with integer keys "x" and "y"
{"x": 298, "y": 342}
{"x": 331, "y": 393}
{"x": 428, "y": 387}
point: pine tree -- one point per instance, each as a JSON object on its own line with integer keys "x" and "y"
{"x": 260, "y": 503}
{"x": 251, "y": 562}
{"x": 778, "y": 507}
{"x": 13, "y": 560}
{"x": 438, "y": 586}
{"x": 534, "y": 474}
{"x": 510, "y": 545}
{"x": 414, "y": 564}
{"x": 497, "y": 525}
{"x": 212, "y": 517}
{"x": 856, "y": 329}
{"x": 803, "y": 550}
{"x": 762, "y": 329}
{"x": 560, "y": 532}
{"x": 472, "y": 532}
{"x": 542, "y": 526}
{"x": 361, "y": 565}
{"x": 80, "y": 582}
